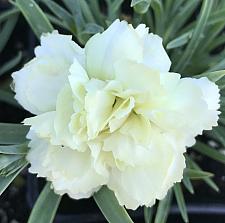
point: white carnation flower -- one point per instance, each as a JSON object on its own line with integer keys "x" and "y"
{"x": 112, "y": 114}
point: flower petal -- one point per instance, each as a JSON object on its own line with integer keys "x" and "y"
{"x": 77, "y": 178}
{"x": 119, "y": 41}
{"x": 140, "y": 185}
{"x": 155, "y": 55}
{"x": 39, "y": 82}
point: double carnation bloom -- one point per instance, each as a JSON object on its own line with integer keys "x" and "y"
{"x": 111, "y": 114}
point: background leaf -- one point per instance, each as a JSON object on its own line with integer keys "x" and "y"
{"x": 13, "y": 133}
{"x": 5, "y": 181}
{"x": 34, "y": 16}
{"x": 163, "y": 208}
{"x": 109, "y": 206}
{"x": 180, "y": 201}
{"x": 45, "y": 208}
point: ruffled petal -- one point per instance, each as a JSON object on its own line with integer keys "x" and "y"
{"x": 119, "y": 41}
{"x": 39, "y": 82}
{"x": 140, "y": 185}
{"x": 77, "y": 178}
{"x": 155, "y": 55}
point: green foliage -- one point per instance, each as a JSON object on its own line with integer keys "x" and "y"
{"x": 195, "y": 38}
{"x": 141, "y": 6}
{"x": 195, "y": 174}
{"x": 6, "y": 180}
{"x": 7, "y": 30}
{"x": 34, "y": 16}
{"x": 163, "y": 208}
{"x": 148, "y": 214}
{"x": 62, "y": 14}
{"x": 180, "y": 201}
{"x": 20, "y": 149}
{"x": 187, "y": 183}
{"x": 12, "y": 133}
{"x": 210, "y": 152}
{"x": 193, "y": 165}
{"x": 111, "y": 209}
{"x": 10, "y": 64}
{"x": 45, "y": 208}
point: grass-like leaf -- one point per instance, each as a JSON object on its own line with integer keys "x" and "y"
{"x": 213, "y": 76}
{"x": 6, "y": 160}
{"x": 179, "y": 41}
{"x": 13, "y": 167}
{"x": 7, "y": 14}
{"x": 196, "y": 37}
{"x": 210, "y": 152}
{"x": 219, "y": 133}
{"x": 140, "y": 6}
{"x": 21, "y": 149}
{"x": 208, "y": 181}
{"x": 45, "y": 207}
{"x": 34, "y": 16}
{"x": 187, "y": 183}
{"x": 5, "y": 181}
{"x": 7, "y": 30}
{"x": 109, "y": 206}
{"x": 8, "y": 97}
{"x": 89, "y": 30}
{"x": 163, "y": 208}
{"x": 194, "y": 174}
{"x": 181, "y": 17}
{"x": 10, "y": 64}
{"x": 12, "y": 133}
{"x": 148, "y": 214}
{"x": 158, "y": 10}
{"x": 64, "y": 16}
{"x": 180, "y": 201}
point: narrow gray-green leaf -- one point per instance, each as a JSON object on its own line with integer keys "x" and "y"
{"x": 187, "y": 183}
{"x": 210, "y": 152}
{"x": 10, "y": 64}
{"x": 62, "y": 14}
{"x": 179, "y": 41}
{"x": 13, "y": 133}
{"x": 89, "y": 30}
{"x": 57, "y": 22}
{"x": 7, "y": 30}
{"x": 180, "y": 201}
{"x": 219, "y": 133}
{"x": 87, "y": 12}
{"x": 196, "y": 37}
{"x": 34, "y": 16}
{"x": 148, "y": 214}
{"x": 141, "y": 6}
{"x": 5, "y": 181}
{"x": 180, "y": 17}
{"x": 21, "y": 149}
{"x": 213, "y": 76}
{"x": 197, "y": 174}
{"x": 6, "y": 159}
{"x": 109, "y": 206}
{"x": 208, "y": 181}
{"x": 13, "y": 167}
{"x": 45, "y": 208}
{"x": 7, "y": 14}
{"x": 75, "y": 8}
{"x": 163, "y": 208}
{"x": 8, "y": 97}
